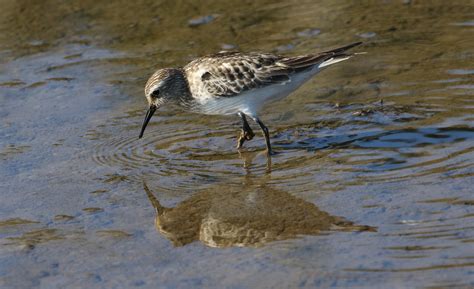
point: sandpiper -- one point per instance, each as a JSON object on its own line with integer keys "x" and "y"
{"x": 229, "y": 83}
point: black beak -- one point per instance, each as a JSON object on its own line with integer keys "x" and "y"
{"x": 149, "y": 114}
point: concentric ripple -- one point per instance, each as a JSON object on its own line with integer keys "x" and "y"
{"x": 185, "y": 153}
{"x": 177, "y": 156}
{"x": 378, "y": 155}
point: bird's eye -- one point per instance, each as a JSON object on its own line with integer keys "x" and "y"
{"x": 155, "y": 93}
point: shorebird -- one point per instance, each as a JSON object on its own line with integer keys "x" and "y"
{"x": 234, "y": 83}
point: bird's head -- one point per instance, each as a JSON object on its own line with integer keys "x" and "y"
{"x": 165, "y": 85}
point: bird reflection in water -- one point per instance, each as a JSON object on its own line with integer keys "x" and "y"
{"x": 247, "y": 215}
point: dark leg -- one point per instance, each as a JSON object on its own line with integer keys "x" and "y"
{"x": 267, "y": 136}
{"x": 246, "y": 134}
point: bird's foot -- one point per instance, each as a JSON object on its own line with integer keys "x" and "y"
{"x": 244, "y": 135}
{"x": 271, "y": 152}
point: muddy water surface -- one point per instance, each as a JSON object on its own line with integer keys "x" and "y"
{"x": 372, "y": 187}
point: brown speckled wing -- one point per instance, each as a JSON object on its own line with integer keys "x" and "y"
{"x": 228, "y": 74}
{"x": 231, "y": 73}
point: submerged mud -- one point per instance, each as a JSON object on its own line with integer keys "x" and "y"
{"x": 372, "y": 185}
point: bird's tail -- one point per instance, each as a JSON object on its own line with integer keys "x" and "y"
{"x": 320, "y": 60}
{"x": 339, "y": 54}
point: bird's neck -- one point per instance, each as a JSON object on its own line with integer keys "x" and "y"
{"x": 183, "y": 93}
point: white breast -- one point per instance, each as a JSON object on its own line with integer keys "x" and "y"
{"x": 252, "y": 101}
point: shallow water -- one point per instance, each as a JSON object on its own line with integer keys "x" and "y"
{"x": 372, "y": 186}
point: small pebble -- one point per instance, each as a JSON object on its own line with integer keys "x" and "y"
{"x": 93, "y": 210}
{"x": 367, "y": 34}
{"x": 284, "y": 48}
{"x": 226, "y": 46}
{"x": 63, "y": 218}
{"x": 36, "y": 43}
{"x": 363, "y": 112}
{"x": 309, "y": 32}
{"x": 198, "y": 21}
